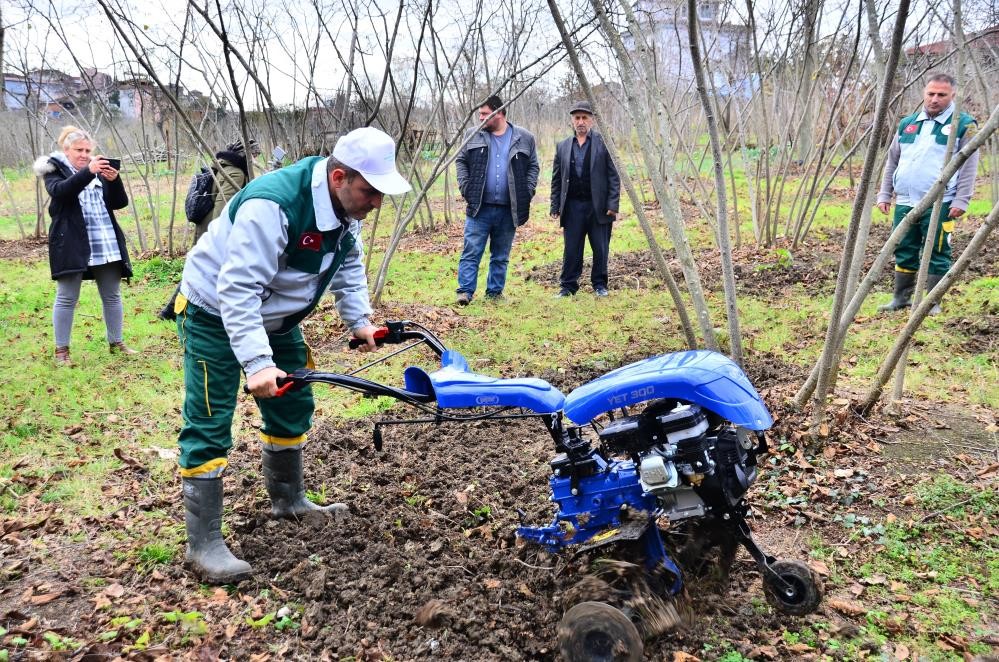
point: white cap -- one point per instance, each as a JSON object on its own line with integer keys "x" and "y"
{"x": 372, "y": 153}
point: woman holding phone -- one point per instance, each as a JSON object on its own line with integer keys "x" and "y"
{"x": 85, "y": 240}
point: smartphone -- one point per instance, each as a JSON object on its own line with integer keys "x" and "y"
{"x": 114, "y": 163}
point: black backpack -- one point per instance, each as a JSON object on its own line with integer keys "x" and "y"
{"x": 200, "y": 198}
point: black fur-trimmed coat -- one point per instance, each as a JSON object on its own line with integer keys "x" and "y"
{"x": 69, "y": 245}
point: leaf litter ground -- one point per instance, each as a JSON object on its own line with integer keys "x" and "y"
{"x": 426, "y": 565}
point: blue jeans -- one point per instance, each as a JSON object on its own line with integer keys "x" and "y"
{"x": 495, "y": 225}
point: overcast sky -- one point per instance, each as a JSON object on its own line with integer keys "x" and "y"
{"x": 291, "y": 29}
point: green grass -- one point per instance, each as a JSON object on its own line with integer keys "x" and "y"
{"x": 154, "y": 554}
{"x": 935, "y": 570}
{"x": 54, "y": 418}
{"x": 525, "y": 334}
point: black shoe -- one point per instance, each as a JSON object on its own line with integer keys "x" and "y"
{"x": 464, "y": 298}
{"x": 564, "y": 293}
{"x": 601, "y": 292}
{"x": 166, "y": 313}
{"x": 494, "y": 296}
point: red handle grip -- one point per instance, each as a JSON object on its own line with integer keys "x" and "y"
{"x": 379, "y": 338}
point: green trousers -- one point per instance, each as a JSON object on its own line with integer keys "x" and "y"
{"x": 211, "y": 385}
{"x": 911, "y": 246}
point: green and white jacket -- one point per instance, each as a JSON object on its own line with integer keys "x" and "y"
{"x": 266, "y": 269}
{"x": 916, "y": 157}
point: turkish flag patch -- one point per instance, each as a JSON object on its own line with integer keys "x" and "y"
{"x": 311, "y": 241}
{"x": 912, "y": 128}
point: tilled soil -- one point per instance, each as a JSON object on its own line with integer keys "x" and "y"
{"x": 425, "y": 565}
{"x": 29, "y": 249}
{"x": 980, "y": 330}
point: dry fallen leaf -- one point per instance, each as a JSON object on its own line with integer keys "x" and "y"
{"x": 134, "y": 464}
{"x": 769, "y": 652}
{"x": 819, "y": 567}
{"x": 44, "y": 598}
{"x": 874, "y": 580}
{"x": 847, "y": 607}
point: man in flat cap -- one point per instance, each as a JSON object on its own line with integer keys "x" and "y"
{"x": 586, "y": 190}
{"x": 280, "y": 243}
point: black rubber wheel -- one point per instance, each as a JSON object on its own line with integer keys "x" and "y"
{"x": 803, "y": 593}
{"x": 598, "y": 632}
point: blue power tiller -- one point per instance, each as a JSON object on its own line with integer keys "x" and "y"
{"x": 664, "y": 448}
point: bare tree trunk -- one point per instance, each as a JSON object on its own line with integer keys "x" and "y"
{"x": 666, "y": 196}
{"x": 388, "y": 58}
{"x": 236, "y": 92}
{"x": 874, "y": 34}
{"x": 820, "y": 161}
{"x": 724, "y": 241}
{"x": 931, "y": 233}
{"x": 636, "y": 202}
{"x": 764, "y": 150}
{"x": 808, "y": 73}
{"x": 3, "y": 80}
{"x": 833, "y": 341}
{"x": 920, "y": 311}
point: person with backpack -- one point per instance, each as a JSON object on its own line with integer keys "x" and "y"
{"x": 85, "y": 240}
{"x": 207, "y": 195}
{"x": 233, "y": 162}
{"x": 261, "y": 268}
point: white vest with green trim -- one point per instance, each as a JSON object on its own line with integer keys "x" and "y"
{"x": 923, "y": 144}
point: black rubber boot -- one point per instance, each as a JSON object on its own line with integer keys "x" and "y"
{"x": 166, "y": 312}
{"x": 207, "y": 554}
{"x": 931, "y": 282}
{"x": 286, "y": 487}
{"x": 905, "y": 285}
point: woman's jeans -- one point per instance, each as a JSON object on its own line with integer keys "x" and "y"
{"x": 495, "y": 225}
{"x": 108, "y": 278}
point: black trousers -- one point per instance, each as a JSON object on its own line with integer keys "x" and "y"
{"x": 579, "y": 221}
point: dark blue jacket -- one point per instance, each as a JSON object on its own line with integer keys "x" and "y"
{"x": 522, "y": 171}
